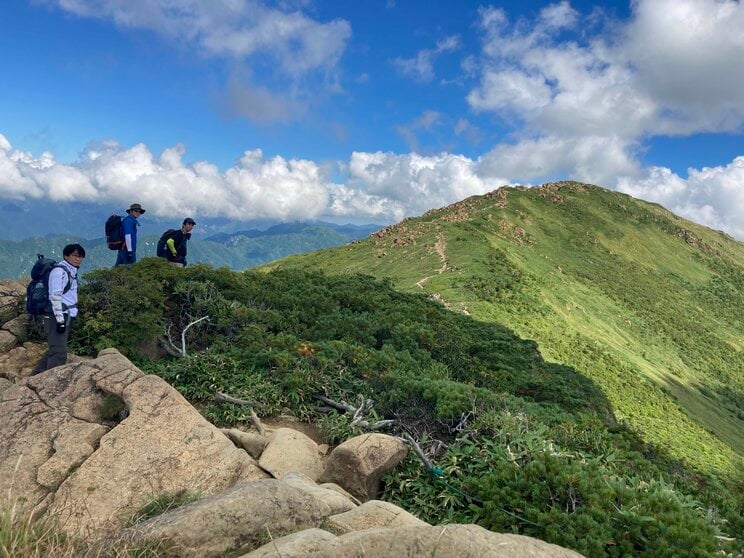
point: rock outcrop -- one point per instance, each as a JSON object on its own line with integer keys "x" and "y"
{"x": 59, "y": 452}
{"x": 444, "y": 541}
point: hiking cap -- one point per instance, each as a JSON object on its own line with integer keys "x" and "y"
{"x": 136, "y": 206}
{"x": 189, "y": 221}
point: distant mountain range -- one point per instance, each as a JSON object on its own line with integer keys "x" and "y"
{"x": 238, "y": 250}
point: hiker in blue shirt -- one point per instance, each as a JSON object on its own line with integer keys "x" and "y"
{"x": 128, "y": 252}
{"x": 62, "y": 310}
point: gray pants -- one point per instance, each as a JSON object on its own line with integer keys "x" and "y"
{"x": 56, "y": 354}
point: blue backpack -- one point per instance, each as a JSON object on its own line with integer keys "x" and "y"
{"x": 37, "y": 292}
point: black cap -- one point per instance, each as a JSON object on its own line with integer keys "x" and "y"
{"x": 189, "y": 221}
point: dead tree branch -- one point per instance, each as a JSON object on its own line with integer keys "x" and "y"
{"x": 365, "y": 405}
{"x": 220, "y": 397}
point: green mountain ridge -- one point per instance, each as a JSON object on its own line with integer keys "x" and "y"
{"x": 642, "y": 302}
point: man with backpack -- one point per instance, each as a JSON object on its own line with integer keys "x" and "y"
{"x": 172, "y": 245}
{"x": 61, "y": 309}
{"x": 128, "y": 252}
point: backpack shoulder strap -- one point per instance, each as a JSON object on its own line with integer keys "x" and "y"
{"x": 69, "y": 277}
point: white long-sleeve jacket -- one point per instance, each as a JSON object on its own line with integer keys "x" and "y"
{"x": 63, "y": 302}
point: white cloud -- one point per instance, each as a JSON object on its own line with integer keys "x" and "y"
{"x": 594, "y": 159}
{"x": 228, "y": 28}
{"x": 416, "y": 182}
{"x": 712, "y": 196}
{"x": 689, "y": 55}
{"x": 421, "y": 66}
{"x": 675, "y": 67}
{"x": 380, "y": 186}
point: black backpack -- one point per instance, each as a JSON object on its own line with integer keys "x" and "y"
{"x": 37, "y": 292}
{"x": 162, "y": 249}
{"x": 114, "y": 233}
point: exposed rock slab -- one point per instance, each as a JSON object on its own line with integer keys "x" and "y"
{"x": 57, "y": 450}
{"x": 359, "y": 463}
{"x": 369, "y": 515}
{"x": 444, "y": 541}
{"x": 18, "y": 326}
{"x": 39, "y": 444}
{"x": 239, "y": 519}
{"x": 163, "y": 446}
{"x": 301, "y": 543}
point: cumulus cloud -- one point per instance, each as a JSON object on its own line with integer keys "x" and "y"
{"x": 675, "y": 67}
{"x": 419, "y": 183}
{"x": 712, "y": 196}
{"x": 421, "y": 66}
{"x": 382, "y": 186}
{"x": 231, "y": 29}
{"x": 379, "y": 186}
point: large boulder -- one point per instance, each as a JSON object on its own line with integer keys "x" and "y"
{"x": 444, "y": 541}
{"x": 60, "y": 448}
{"x": 359, "y": 463}
{"x": 240, "y": 519}
{"x": 374, "y": 513}
{"x": 289, "y": 451}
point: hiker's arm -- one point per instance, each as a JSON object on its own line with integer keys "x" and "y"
{"x": 171, "y": 244}
{"x": 128, "y": 229}
{"x": 57, "y": 282}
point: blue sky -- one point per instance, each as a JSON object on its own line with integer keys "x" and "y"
{"x": 369, "y": 111}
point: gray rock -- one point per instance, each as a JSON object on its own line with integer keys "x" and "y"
{"x": 295, "y": 545}
{"x": 57, "y": 450}
{"x": 240, "y": 519}
{"x": 18, "y": 326}
{"x": 359, "y": 463}
{"x": 369, "y": 515}
{"x": 7, "y": 341}
{"x": 290, "y": 451}
{"x": 337, "y": 502}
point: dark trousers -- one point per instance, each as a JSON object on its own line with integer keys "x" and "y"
{"x": 122, "y": 259}
{"x": 56, "y": 354}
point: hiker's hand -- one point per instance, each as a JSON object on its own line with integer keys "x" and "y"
{"x": 130, "y": 256}
{"x": 61, "y": 327}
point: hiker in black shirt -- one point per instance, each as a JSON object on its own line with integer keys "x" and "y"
{"x": 172, "y": 245}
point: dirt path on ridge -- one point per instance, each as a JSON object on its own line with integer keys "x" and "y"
{"x": 441, "y": 249}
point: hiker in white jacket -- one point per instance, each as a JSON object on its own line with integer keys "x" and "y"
{"x": 63, "y": 298}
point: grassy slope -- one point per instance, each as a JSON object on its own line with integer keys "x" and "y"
{"x": 646, "y": 304}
